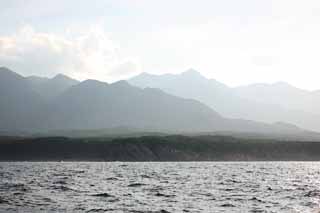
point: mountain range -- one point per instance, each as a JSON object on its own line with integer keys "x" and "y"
{"x": 279, "y": 102}
{"x": 35, "y": 105}
{"x": 49, "y": 88}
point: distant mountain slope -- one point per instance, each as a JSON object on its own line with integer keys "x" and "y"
{"x": 51, "y": 87}
{"x": 282, "y": 94}
{"x": 189, "y": 84}
{"x": 234, "y": 103}
{"x": 91, "y": 105}
{"x": 20, "y": 107}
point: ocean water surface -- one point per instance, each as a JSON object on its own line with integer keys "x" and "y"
{"x": 160, "y": 187}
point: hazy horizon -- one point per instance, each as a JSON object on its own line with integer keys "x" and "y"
{"x": 237, "y": 43}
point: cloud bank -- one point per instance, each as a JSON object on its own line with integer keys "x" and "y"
{"x": 88, "y": 55}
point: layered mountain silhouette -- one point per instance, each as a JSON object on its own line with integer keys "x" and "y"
{"x": 51, "y": 87}
{"x": 282, "y": 94}
{"x": 278, "y": 102}
{"x": 43, "y": 105}
{"x": 20, "y": 107}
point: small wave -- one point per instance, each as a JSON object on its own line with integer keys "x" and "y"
{"x": 145, "y": 176}
{"x": 313, "y": 193}
{"x": 257, "y": 199}
{"x": 46, "y": 199}
{"x": 156, "y": 189}
{"x": 15, "y": 187}
{"x": 62, "y": 188}
{"x": 62, "y": 182}
{"x": 3, "y": 201}
{"x": 233, "y": 181}
{"x": 163, "y": 211}
{"x": 257, "y": 210}
{"x": 102, "y": 195}
{"x": 112, "y": 178}
{"x": 310, "y": 204}
{"x": 78, "y": 171}
{"x": 160, "y": 211}
{"x": 100, "y": 210}
{"x": 136, "y": 184}
{"x": 227, "y": 205}
{"x": 62, "y": 175}
{"x": 163, "y": 195}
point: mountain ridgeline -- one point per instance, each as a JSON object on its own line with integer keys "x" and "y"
{"x": 260, "y": 102}
{"x": 43, "y": 105}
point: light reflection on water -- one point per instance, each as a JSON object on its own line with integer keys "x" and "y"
{"x": 160, "y": 187}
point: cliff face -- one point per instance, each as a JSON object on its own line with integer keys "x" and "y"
{"x": 169, "y": 148}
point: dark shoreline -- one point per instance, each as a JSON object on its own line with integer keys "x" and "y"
{"x": 156, "y": 148}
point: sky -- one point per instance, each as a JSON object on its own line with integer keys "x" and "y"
{"x": 235, "y": 42}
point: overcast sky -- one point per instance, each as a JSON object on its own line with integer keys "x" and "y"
{"x": 236, "y": 42}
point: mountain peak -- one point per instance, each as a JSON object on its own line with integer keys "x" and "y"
{"x": 192, "y": 74}
{"x": 92, "y": 83}
{"x": 282, "y": 83}
{"x": 9, "y": 73}
{"x": 191, "y": 71}
{"x": 5, "y": 69}
{"x": 61, "y": 77}
{"x": 144, "y": 74}
{"x": 121, "y": 83}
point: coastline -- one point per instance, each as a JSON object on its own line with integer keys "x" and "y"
{"x": 156, "y": 148}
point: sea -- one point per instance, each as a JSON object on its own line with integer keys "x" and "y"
{"x": 159, "y": 187}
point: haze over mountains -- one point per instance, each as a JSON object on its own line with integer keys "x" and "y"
{"x": 260, "y": 102}
{"x": 282, "y": 94}
{"x": 34, "y": 105}
{"x": 51, "y": 87}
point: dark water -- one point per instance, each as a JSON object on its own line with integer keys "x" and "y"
{"x": 160, "y": 187}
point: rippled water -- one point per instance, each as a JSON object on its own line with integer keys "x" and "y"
{"x": 160, "y": 187}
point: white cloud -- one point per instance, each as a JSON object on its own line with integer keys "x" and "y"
{"x": 88, "y": 55}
